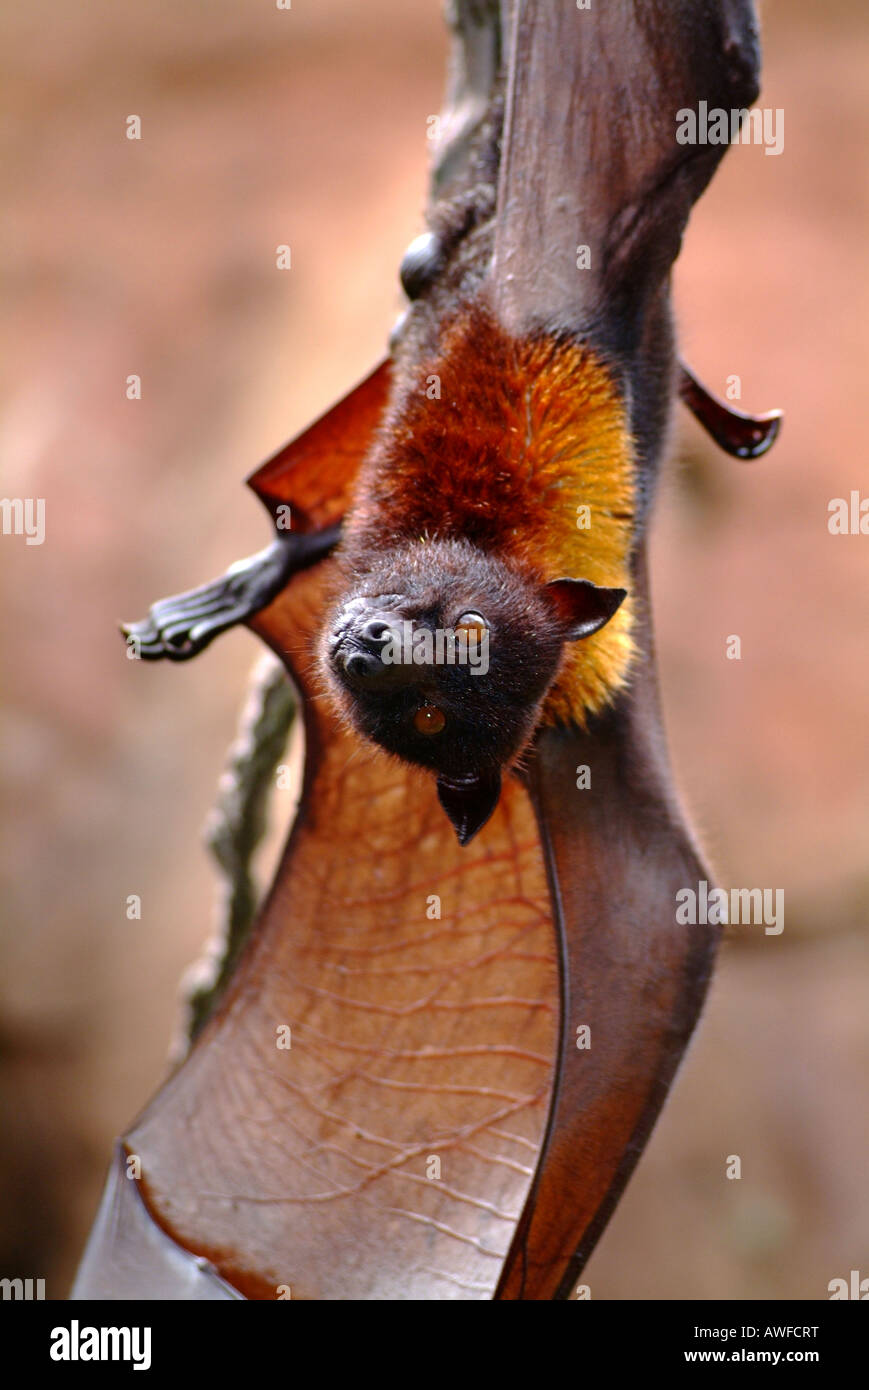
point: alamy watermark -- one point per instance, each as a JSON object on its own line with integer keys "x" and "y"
{"x": 442, "y": 646}
{"x": 77, "y": 1343}
{"x": 719, "y": 907}
{"x": 848, "y": 516}
{"x": 23, "y": 516}
{"x": 742, "y": 125}
{"x": 23, "y": 1289}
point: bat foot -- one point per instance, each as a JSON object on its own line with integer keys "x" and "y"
{"x": 742, "y": 436}
{"x": 180, "y": 627}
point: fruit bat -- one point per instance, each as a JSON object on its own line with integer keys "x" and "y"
{"x": 471, "y": 942}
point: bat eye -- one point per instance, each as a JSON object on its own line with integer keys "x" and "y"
{"x": 429, "y": 720}
{"x": 473, "y": 624}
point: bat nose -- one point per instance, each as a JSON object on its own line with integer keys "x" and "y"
{"x": 362, "y": 666}
{"x": 366, "y": 656}
{"x": 375, "y": 633}
{"x": 363, "y": 657}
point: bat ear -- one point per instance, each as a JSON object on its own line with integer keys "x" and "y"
{"x": 583, "y": 606}
{"x": 469, "y": 802}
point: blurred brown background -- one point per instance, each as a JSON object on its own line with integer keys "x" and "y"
{"x": 157, "y": 257}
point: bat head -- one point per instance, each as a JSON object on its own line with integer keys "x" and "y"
{"x": 443, "y": 654}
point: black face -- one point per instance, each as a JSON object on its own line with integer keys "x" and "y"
{"x": 442, "y": 655}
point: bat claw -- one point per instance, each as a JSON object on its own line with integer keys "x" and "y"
{"x": 180, "y": 627}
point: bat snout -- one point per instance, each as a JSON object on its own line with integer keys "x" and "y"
{"x": 363, "y": 653}
{"x": 375, "y": 632}
{"x": 360, "y": 666}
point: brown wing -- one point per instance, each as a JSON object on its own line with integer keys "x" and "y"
{"x": 591, "y": 156}
{"x": 314, "y": 473}
{"x": 433, "y": 1131}
{"x": 617, "y": 852}
{"x": 387, "y": 1153}
{"x": 592, "y": 160}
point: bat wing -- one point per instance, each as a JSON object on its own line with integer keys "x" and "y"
{"x": 314, "y": 473}
{"x": 592, "y": 156}
{"x": 632, "y": 979}
{"x": 362, "y": 1117}
{"x": 594, "y": 193}
{"x": 129, "y": 1256}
